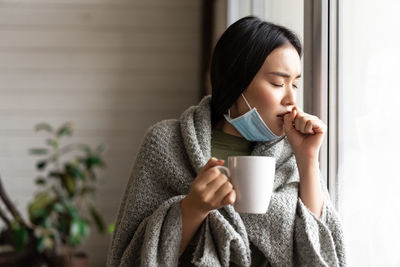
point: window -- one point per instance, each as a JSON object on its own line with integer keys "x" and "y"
{"x": 369, "y": 141}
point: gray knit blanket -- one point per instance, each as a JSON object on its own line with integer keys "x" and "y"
{"x": 148, "y": 228}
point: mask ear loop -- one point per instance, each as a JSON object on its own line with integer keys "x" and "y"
{"x": 229, "y": 110}
{"x": 246, "y": 101}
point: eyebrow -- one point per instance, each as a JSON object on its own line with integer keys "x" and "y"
{"x": 284, "y": 75}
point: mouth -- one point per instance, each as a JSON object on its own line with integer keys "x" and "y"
{"x": 283, "y": 114}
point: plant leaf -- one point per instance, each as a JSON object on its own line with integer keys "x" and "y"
{"x": 40, "y": 181}
{"x": 40, "y": 207}
{"x": 41, "y": 164}
{"x": 72, "y": 211}
{"x": 111, "y": 227}
{"x": 59, "y": 207}
{"x": 97, "y": 219}
{"x": 88, "y": 190}
{"x": 39, "y": 151}
{"x": 51, "y": 142}
{"x": 55, "y": 174}
{"x": 84, "y": 228}
{"x": 74, "y": 171}
{"x": 85, "y": 148}
{"x": 65, "y": 129}
{"x": 43, "y": 126}
{"x": 68, "y": 182}
{"x": 78, "y": 231}
{"x": 41, "y": 244}
{"x": 93, "y": 161}
{"x": 20, "y": 236}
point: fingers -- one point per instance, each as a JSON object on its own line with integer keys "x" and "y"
{"x": 223, "y": 191}
{"x": 288, "y": 121}
{"x": 229, "y": 199}
{"x": 303, "y": 124}
{"x": 308, "y": 128}
{"x": 308, "y": 124}
{"x": 216, "y": 191}
{"x": 215, "y": 184}
{"x": 208, "y": 173}
{"x": 319, "y": 127}
{"x": 216, "y": 187}
{"x": 212, "y": 162}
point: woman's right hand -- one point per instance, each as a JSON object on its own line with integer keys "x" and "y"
{"x": 210, "y": 189}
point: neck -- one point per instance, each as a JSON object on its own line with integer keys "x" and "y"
{"x": 226, "y": 127}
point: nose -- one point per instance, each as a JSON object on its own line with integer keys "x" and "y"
{"x": 290, "y": 97}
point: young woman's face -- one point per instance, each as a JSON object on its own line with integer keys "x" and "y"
{"x": 273, "y": 90}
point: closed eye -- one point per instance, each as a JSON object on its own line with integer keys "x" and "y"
{"x": 281, "y": 85}
{"x": 277, "y": 85}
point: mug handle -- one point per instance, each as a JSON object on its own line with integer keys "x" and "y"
{"x": 225, "y": 169}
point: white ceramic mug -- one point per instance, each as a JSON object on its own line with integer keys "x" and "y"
{"x": 252, "y": 178}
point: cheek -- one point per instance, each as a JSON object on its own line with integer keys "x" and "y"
{"x": 269, "y": 100}
{"x": 265, "y": 97}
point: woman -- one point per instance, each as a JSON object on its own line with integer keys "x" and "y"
{"x": 177, "y": 207}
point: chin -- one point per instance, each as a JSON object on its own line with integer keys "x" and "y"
{"x": 278, "y": 132}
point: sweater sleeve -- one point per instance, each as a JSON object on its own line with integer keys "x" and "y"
{"x": 148, "y": 227}
{"x": 318, "y": 241}
{"x": 152, "y": 240}
{"x": 156, "y": 241}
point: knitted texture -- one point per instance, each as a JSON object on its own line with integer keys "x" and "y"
{"x": 148, "y": 229}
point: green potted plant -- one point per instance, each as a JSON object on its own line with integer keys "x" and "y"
{"x": 17, "y": 243}
{"x": 62, "y": 211}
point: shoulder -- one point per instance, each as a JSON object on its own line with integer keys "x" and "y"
{"x": 163, "y": 137}
{"x": 162, "y": 130}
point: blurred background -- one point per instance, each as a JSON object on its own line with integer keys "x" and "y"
{"x": 115, "y": 67}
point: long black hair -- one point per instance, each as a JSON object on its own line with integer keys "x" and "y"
{"x": 239, "y": 54}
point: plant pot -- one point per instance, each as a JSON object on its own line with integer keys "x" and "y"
{"x": 67, "y": 257}
{"x": 79, "y": 259}
{"x": 11, "y": 258}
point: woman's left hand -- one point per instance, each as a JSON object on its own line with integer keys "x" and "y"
{"x": 305, "y": 133}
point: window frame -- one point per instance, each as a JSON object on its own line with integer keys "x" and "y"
{"x": 321, "y": 81}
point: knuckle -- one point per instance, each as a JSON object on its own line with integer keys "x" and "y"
{"x": 314, "y": 117}
{"x": 203, "y": 196}
{"x": 213, "y": 205}
{"x": 195, "y": 187}
{"x": 214, "y": 171}
{"x": 198, "y": 189}
{"x": 229, "y": 185}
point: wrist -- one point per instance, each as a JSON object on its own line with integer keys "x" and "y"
{"x": 190, "y": 209}
{"x": 307, "y": 165}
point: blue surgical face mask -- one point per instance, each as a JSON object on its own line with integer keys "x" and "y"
{"x": 251, "y": 126}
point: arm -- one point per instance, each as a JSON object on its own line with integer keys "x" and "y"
{"x": 318, "y": 233}
{"x": 305, "y": 134}
{"x": 310, "y": 189}
{"x": 210, "y": 190}
{"x": 191, "y": 221}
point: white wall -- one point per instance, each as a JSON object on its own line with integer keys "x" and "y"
{"x": 112, "y": 67}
